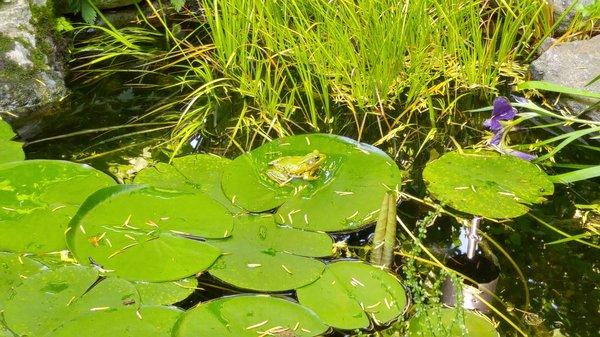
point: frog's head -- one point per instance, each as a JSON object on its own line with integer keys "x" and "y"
{"x": 314, "y": 159}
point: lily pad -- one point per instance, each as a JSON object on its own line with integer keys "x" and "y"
{"x": 345, "y": 196}
{"x": 350, "y": 294}
{"x": 38, "y": 199}
{"x": 249, "y": 316}
{"x": 193, "y": 173}
{"x": 46, "y": 300}
{"x": 10, "y": 150}
{"x": 166, "y": 293}
{"x": 152, "y": 321}
{"x": 263, "y": 256}
{"x": 13, "y": 270}
{"x": 147, "y": 234}
{"x": 449, "y": 322}
{"x": 487, "y": 184}
{"x": 6, "y": 132}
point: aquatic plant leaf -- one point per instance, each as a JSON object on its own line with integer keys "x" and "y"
{"x": 345, "y": 195}
{"x": 448, "y": 322}
{"x": 260, "y": 255}
{"x": 6, "y": 132}
{"x": 39, "y": 198}
{"x": 11, "y": 151}
{"x": 486, "y": 184}
{"x": 193, "y": 173}
{"x": 147, "y": 234}
{"x": 249, "y": 316}
{"x": 166, "y": 293}
{"x": 350, "y": 293}
{"x": 148, "y": 321}
{"x": 48, "y": 299}
{"x": 13, "y": 270}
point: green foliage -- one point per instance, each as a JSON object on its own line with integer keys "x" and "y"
{"x": 267, "y": 69}
{"x": 38, "y": 199}
{"x": 486, "y": 184}
{"x": 262, "y": 256}
{"x": 369, "y": 295}
{"x": 177, "y": 4}
{"x": 436, "y": 321}
{"x": 249, "y": 316}
{"x": 63, "y": 25}
{"x": 48, "y": 299}
{"x": 123, "y": 228}
{"x": 300, "y": 202}
{"x": 124, "y": 322}
{"x": 11, "y": 151}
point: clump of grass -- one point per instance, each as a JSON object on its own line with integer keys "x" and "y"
{"x": 247, "y": 70}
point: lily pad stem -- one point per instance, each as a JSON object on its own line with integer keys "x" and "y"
{"x": 473, "y": 238}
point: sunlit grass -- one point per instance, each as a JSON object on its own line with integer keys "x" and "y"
{"x": 248, "y": 70}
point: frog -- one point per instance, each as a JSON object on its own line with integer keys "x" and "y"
{"x": 283, "y": 170}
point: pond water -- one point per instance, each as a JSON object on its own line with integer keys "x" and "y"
{"x": 563, "y": 279}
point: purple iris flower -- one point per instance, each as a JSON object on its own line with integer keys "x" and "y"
{"x": 503, "y": 111}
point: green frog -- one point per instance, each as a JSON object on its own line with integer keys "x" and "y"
{"x": 284, "y": 169}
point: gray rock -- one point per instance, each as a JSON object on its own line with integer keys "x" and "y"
{"x": 559, "y": 7}
{"x": 31, "y": 71}
{"x": 572, "y": 64}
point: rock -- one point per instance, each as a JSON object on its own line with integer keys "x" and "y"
{"x": 31, "y": 72}
{"x": 572, "y": 64}
{"x": 560, "y": 6}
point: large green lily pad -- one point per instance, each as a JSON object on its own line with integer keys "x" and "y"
{"x": 264, "y": 256}
{"x": 345, "y": 196}
{"x": 38, "y": 199}
{"x": 13, "y": 270}
{"x": 351, "y": 294}
{"x": 144, "y": 233}
{"x": 166, "y": 293}
{"x": 487, "y": 184}
{"x": 249, "y": 316}
{"x": 48, "y": 299}
{"x": 154, "y": 321}
{"x": 193, "y": 173}
{"x": 449, "y": 322}
{"x": 9, "y": 150}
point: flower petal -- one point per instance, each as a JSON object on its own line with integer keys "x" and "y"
{"x": 503, "y": 110}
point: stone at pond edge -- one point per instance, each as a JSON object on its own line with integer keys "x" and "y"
{"x": 559, "y": 7}
{"x": 31, "y": 72}
{"x": 571, "y": 64}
